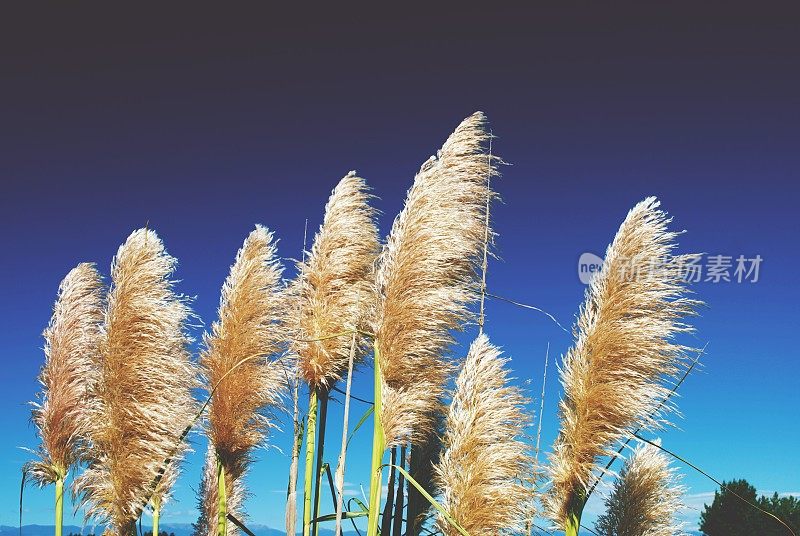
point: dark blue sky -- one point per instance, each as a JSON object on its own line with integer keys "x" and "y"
{"x": 203, "y": 123}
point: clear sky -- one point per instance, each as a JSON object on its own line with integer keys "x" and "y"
{"x": 204, "y": 123}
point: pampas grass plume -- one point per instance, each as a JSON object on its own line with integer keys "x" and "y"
{"x": 485, "y": 463}
{"x": 336, "y": 285}
{"x": 235, "y": 359}
{"x": 625, "y": 347}
{"x": 427, "y": 277}
{"x": 71, "y": 344}
{"x": 142, "y": 400}
{"x": 646, "y": 498}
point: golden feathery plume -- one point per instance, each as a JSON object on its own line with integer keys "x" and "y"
{"x": 624, "y": 350}
{"x": 236, "y": 361}
{"x": 485, "y": 463}
{"x": 646, "y": 498}
{"x": 71, "y": 343}
{"x": 335, "y": 284}
{"x": 142, "y": 401}
{"x": 428, "y": 274}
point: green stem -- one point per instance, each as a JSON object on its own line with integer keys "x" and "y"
{"x": 323, "y": 418}
{"x": 575, "y": 510}
{"x": 378, "y": 448}
{"x": 572, "y": 525}
{"x": 222, "y": 495}
{"x": 311, "y": 432}
{"x": 156, "y": 515}
{"x": 59, "y": 504}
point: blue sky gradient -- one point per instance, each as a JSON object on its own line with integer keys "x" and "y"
{"x": 203, "y": 124}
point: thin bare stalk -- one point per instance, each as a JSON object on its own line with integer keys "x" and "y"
{"x": 422, "y": 460}
{"x": 297, "y": 445}
{"x": 541, "y": 406}
{"x": 343, "y": 452}
{"x": 486, "y": 234}
{"x": 291, "y": 493}
{"x": 527, "y": 306}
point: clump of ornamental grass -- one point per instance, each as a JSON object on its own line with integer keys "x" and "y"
{"x": 245, "y": 384}
{"x": 142, "y": 400}
{"x": 71, "y": 343}
{"x": 613, "y": 377}
{"x": 646, "y": 498}
{"x": 428, "y": 275}
{"x": 485, "y": 463}
{"x": 333, "y": 297}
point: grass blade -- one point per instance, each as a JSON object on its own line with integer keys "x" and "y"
{"x": 361, "y": 421}
{"x": 241, "y": 525}
{"x": 430, "y": 499}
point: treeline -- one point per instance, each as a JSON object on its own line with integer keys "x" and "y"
{"x": 727, "y": 515}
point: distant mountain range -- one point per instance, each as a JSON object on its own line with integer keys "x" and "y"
{"x": 179, "y": 529}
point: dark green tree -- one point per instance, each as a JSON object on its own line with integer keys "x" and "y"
{"x": 728, "y": 515}
{"x": 786, "y": 508}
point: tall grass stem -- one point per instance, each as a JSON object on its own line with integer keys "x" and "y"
{"x": 541, "y": 403}
{"x": 486, "y": 235}
{"x": 572, "y": 523}
{"x": 156, "y": 518}
{"x": 323, "y": 419}
{"x": 222, "y": 495}
{"x": 291, "y": 492}
{"x": 308, "y": 484}
{"x": 59, "y": 504}
{"x": 343, "y": 453}
{"x": 378, "y": 447}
